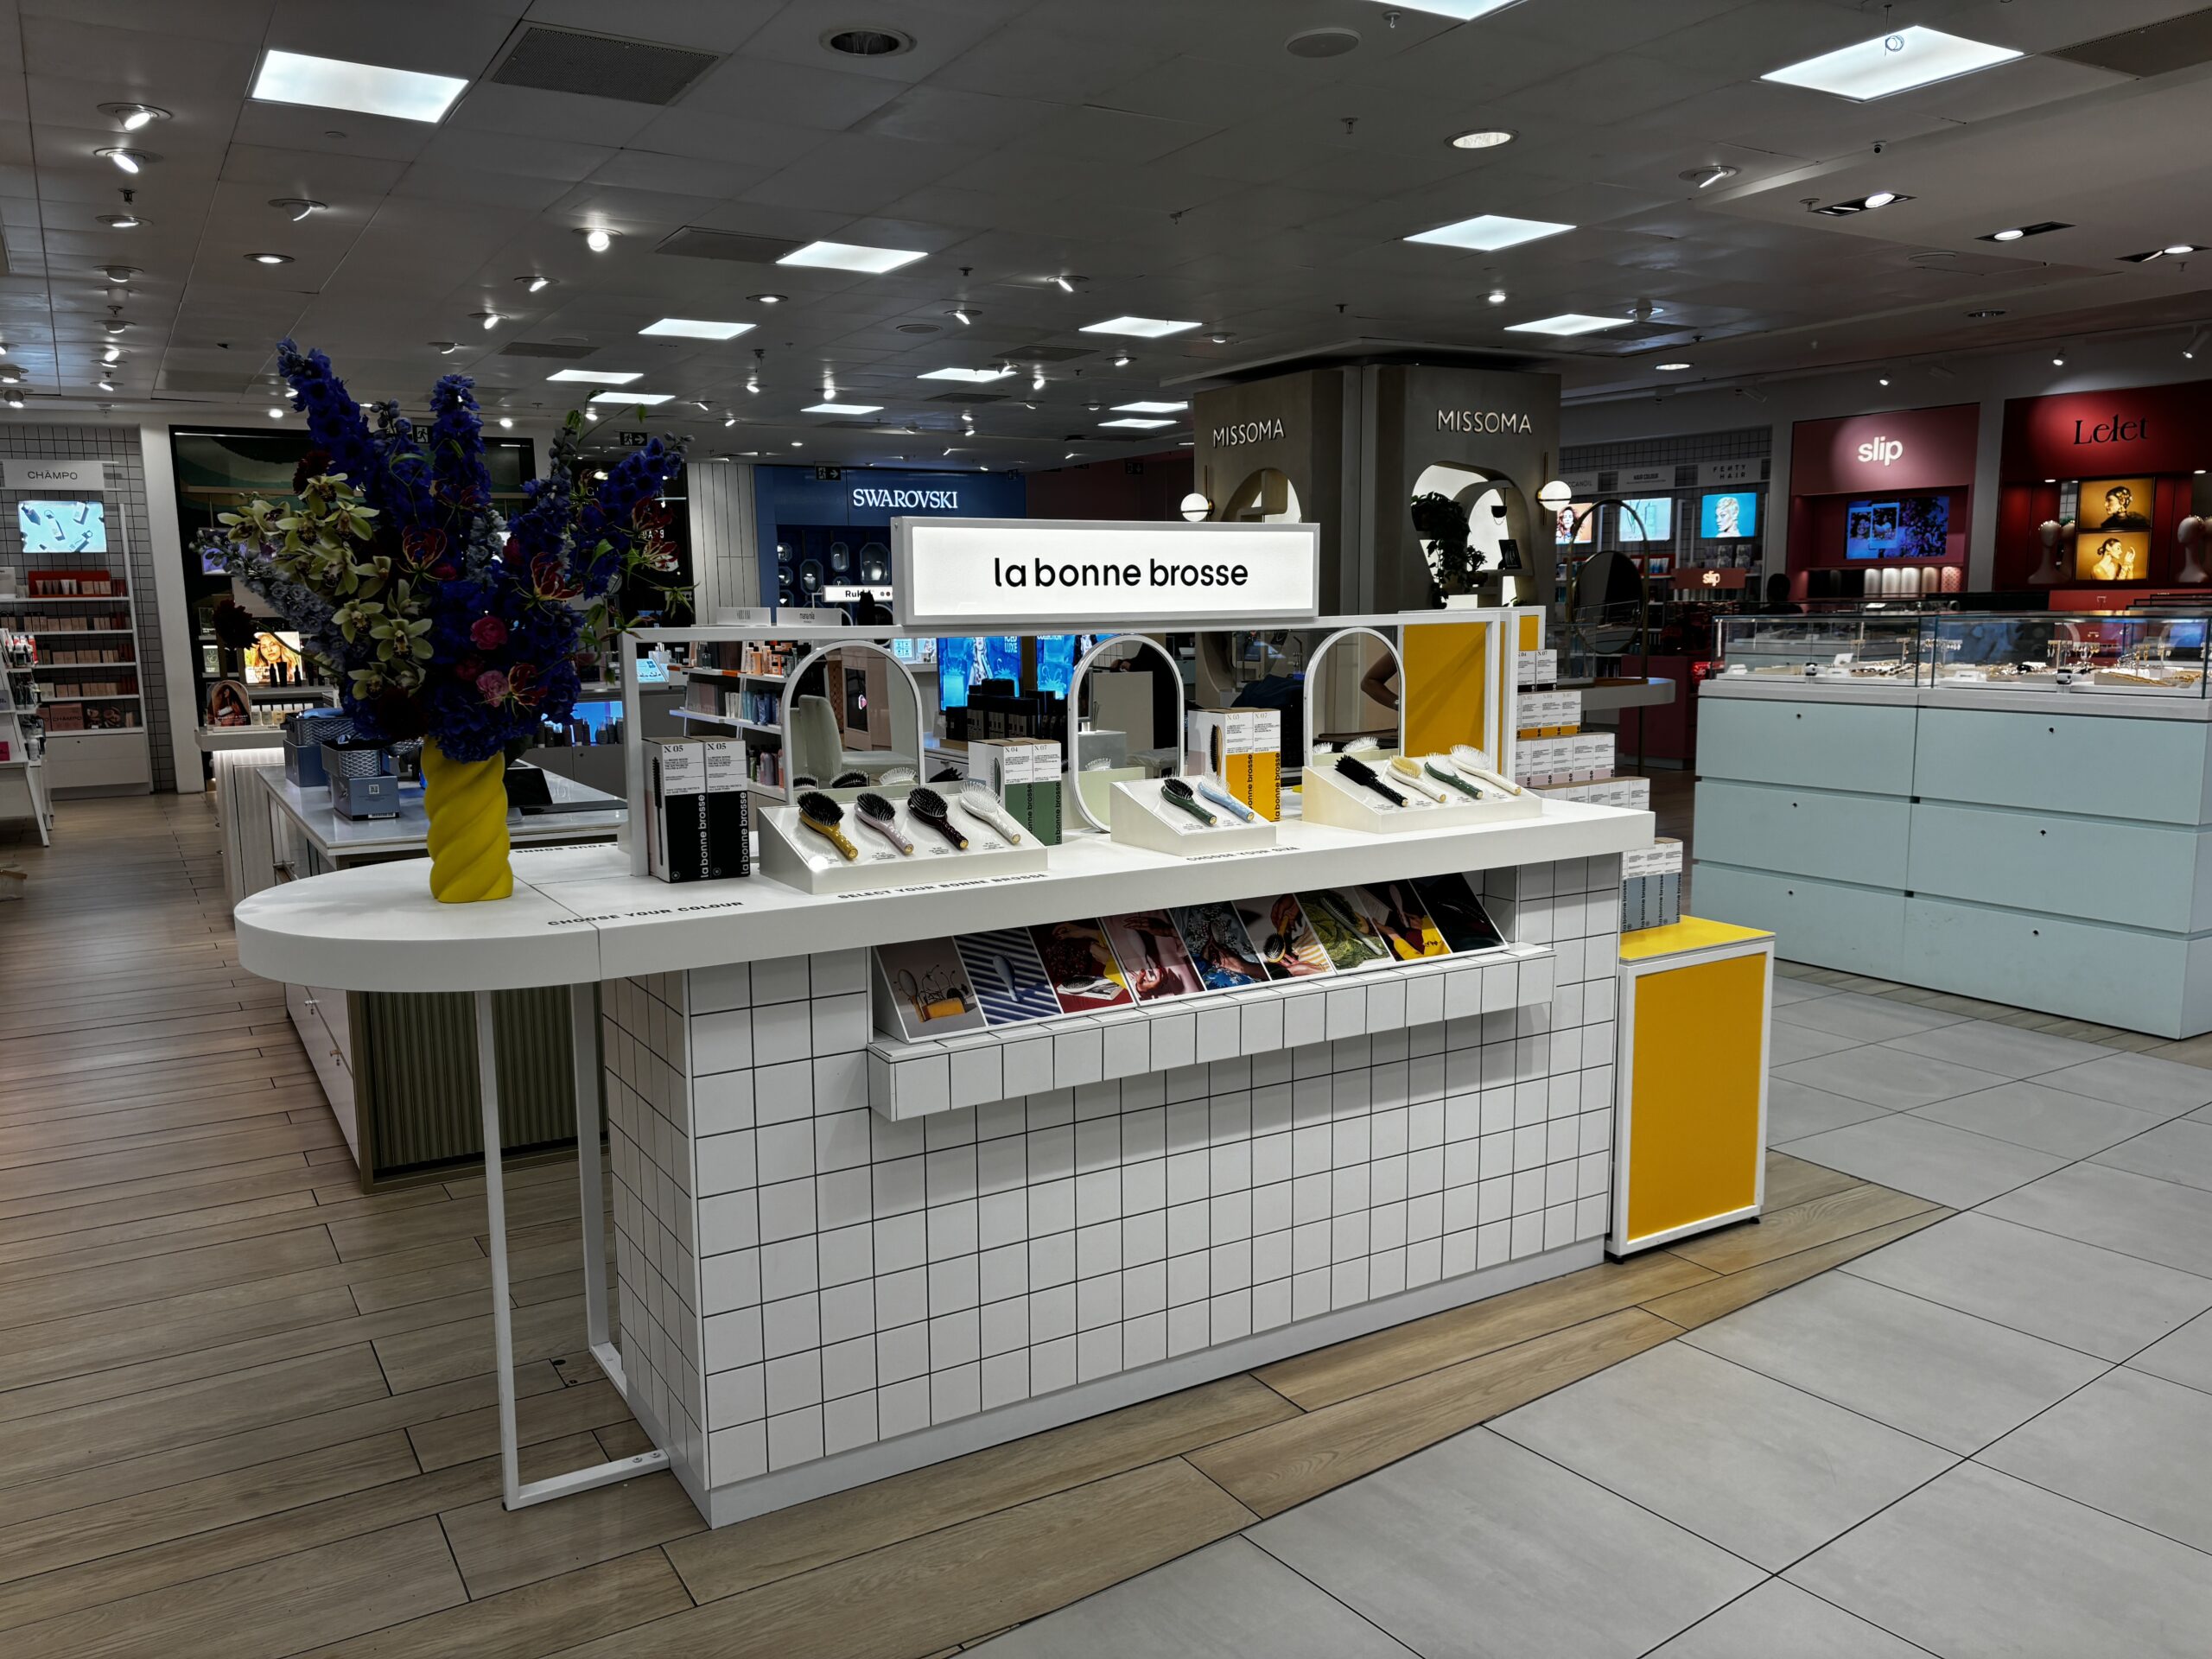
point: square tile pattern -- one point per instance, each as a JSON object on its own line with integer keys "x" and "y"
{"x": 801, "y": 1275}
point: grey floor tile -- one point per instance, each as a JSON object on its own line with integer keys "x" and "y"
{"x": 2179, "y": 1151}
{"x": 1229, "y": 1599}
{"x": 2060, "y": 1289}
{"x": 1478, "y": 1548}
{"x": 1789, "y": 990}
{"x": 2134, "y": 1446}
{"x": 1928, "y": 1159}
{"x": 1795, "y": 1110}
{"x": 1933, "y": 1371}
{"x": 2009, "y": 1053}
{"x": 1779, "y": 1621}
{"x": 1864, "y": 1019}
{"x": 1760, "y": 1468}
{"x": 2136, "y": 1215}
{"x": 2050, "y": 1120}
{"x": 2148, "y": 1084}
{"x": 1787, "y": 1043}
{"x": 2185, "y": 1358}
{"x": 1887, "y": 1077}
{"x": 1977, "y": 1565}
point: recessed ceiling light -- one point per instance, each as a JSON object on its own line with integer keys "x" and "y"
{"x": 1881, "y": 198}
{"x": 126, "y": 221}
{"x": 1484, "y": 138}
{"x": 15, "y": 400}
{"x": 2007, "y": 236}
{"x": 847, "y": 256}
{"x": 1895, "y": 62}
{"x": 535, "y": 285}
{"x": 445, "y": 347}
{"x": 112, "y": 354}
{"x": 105, "y": 384}
{"x": 2172, "y": 250}
{"x": 134, "y": 116}
{"x": 1861, "y": 204}
{"x": 598, "y": 237}
{"x": 507, "y": 421}
{"x": 120, "y": 275}
{"x": 629, "y": 399}
{"x": 131, "y": 160}
{"x": 1984, "y": 314}
{"x": 1671, "y": 368}
{"x": 842, "y": 409}
{"x": 370, "y": 89}
{"x": 275, "y": 414}
{"x": 1496, "y": 296}
{"x": 297, "y": 207}
{"x": 768, "y": 299}
{"x": 1150, "y": 409}
{"x": 693, "y": 328}
{"x": 796, "y": 444}
{"x": 596, "y": 377}
{"x": 1567, "y": 322}
{"x": 1122, "y": 360}
{"x": 270, "y": 258}
{"x": 1067, "y": 284}
{"x": 1138, "y": 328}
{"x": 491, "y": 319}
{"x": 1463, "y": 10}
{"x": 1487, "y": 232}
{"x": 869, "y": 42}
{"x": 972, "y": 377}
{"x": 1139, "y": 422}
{"x": 1711, "y": 173}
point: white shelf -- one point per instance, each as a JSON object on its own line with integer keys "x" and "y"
{"x": 71, "y": 633}
{"x": 755, "y": 726}
{"x": 25, "y": 602}
{"x": 714, "y": 720}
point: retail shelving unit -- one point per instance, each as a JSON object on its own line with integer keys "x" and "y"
{"x": 96, "y": 743}
{"x": 23, "y": 768}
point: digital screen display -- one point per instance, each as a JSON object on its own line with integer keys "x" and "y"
{"x": 62, "y": 526}
{"x": 1648, "y": 519}
{"x": 1002, "y": 656}
{"x": 962, "y": 661}
{"x": 1577, "y": 519}
{"x": 1728, "y": 518}
{"x": 1055, "y": 663}
{"x": 1913, "y": 527}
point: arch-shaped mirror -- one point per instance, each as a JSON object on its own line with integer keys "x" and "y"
{"x": 1354, "y": 686}
{"x": 1500, "y": 530}
{"x": 1125, "y": 720}
{"x": 852, "y": 711}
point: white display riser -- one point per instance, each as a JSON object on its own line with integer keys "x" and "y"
{"x": 813, "y": 1296}
{"x": 2054, "y": 853}
{"x": 908, "y": 1080}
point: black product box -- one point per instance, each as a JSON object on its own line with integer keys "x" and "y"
{"x": 729, "y": 828}
{"x": 676, "y": 809}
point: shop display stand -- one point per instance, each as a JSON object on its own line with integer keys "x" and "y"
{"x": 22, "y": 781}
{"x": 95, "y": 759}
{"x": 1328, "y": 798}
{"x": 800, "y": 858}
{"x": 1141, "y": 817}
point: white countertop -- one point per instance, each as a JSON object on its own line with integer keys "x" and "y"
{"x": 578, "y": 914}
{"x": 2109, "y": 702}
{"x": 343, "y": 838}
{"x": 214, "y": 739}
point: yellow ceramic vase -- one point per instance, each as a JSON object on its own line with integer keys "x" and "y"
{"x": 468, "y": 804}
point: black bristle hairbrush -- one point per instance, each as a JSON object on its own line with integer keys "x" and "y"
{"x": 849, "y": 780}
{"x": 879, "y": 815}
{"x": 928, "y": 807}
{"x": 1176, "y": 793}
{"x": 1351, "y": 766}
{"x": 821, "y": 815}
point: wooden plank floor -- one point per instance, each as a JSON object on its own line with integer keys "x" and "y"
{"x": 245, "y": 1411}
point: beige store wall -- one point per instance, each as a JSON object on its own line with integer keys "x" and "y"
{"x": 725, "y": 536}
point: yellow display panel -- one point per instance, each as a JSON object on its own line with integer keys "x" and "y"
{"x": 1532, "y": 631}
{"x": 1691, "y": 933}
{"x": 1693, "y": 1122}
{"x": 1446, "y": 685}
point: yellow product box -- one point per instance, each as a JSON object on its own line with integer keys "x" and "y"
{"x": 1244, "y": 748}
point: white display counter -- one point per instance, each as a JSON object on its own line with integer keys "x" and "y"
{"x": 815, "y": 1293}
{"x": 2049, "y": 850}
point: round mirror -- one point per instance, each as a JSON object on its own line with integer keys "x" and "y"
{"x": 1354, "y": 690}
{"x": 850, "y": 712}
{"x": 1125, "y": 720}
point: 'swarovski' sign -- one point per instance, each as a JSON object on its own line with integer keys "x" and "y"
{"x": 1051, "y": 574}
{"x": 908, "y": 500}
{"x": 1482, "y": 420}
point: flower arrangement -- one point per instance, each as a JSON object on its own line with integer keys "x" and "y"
{"x": 439, "y": 619}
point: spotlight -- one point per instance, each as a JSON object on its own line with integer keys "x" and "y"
{"x": 120, "y": 275}
{"x": 131, "y": 160}
{"x": 134, "y": 116}
{"x": 752, "y": 386}
{"x": 15, "y": 400}
{"x": 275, "y": 414}
{"x": 105, "y": 384}
{"x": 1497, "y": 296}
{"x": 2058, "y": 358}
{"x": 122, "y": 221}
{"x": 1711, "y": 173}
{"x": 535, "y": 285}
{"x": 960, "y": 312}
{"x": 768, "y": 299}
{"x": 1066, "y": 287}
{"x": 2198, "y": 342}
{"x": 2012, "y": 235}
{"x": 731, "y": 421}
{"x": 490, "y": 318}
{"x": 597, "y": 239}
{"x": 270, "y": 258}
{"x": 1881, "y": 198}
{"x": 1121, "y": 361}
{"x": 445, "y": 347}
{"x": 507, "y": 421}
{"x": 298, "y": 206}
{"x": 112, "y": 354}
{"x": 1884, "y": 377}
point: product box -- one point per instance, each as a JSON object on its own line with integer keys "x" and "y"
{"x": 1244, "y": 748}
{"x": 729, "y": 819}
{"x": 1024, "y": 774}
{"x": 676, "y": 809}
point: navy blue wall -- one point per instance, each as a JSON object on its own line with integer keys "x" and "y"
{"x": 806, "y": 515}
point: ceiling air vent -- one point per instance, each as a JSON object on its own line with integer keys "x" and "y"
{"x": 543, "y": 348}
{"x": 694, "y": 242}
{"x": 2159, "y": 49}
{"x": 968, "y": 397}
{"x": 1055, "y": 353}
{"x": 600, "y": 65}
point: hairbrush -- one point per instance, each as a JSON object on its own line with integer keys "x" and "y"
{"x": 821, "y": 815}
{"x": 928, "y": 807}
{"x": 1352, "y": 768}
{"x": 849, "y": 780}
{"x": 1227, "y": 802}
{"x": 1176, "y": 793}
{"x": 1409, "y": 771}
{"x": 1441, "y": 770}
{"x": 879, "y": 815}
{"x": 1470, "y": 760}
{"x": 806, "y": 781}
{"x": 984, "y": 805}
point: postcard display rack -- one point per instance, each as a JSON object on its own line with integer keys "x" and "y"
{"x": 847, "y": 1245}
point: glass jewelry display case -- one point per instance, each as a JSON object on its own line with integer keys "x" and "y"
{"x": 1862, "y": 647}
{"x": 2125, "y": 653}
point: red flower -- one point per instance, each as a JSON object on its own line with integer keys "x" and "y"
{"x": 423, "y": 547}
{"x": 523, "y": 686}
{"x": 549, "y": 580}
{"x": 444, "y": 572}
{"x": 487, "y": 633}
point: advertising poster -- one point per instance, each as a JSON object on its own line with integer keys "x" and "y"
{"x": 1282, "y": 936}
{"x": 929, "y": 985}
{"x": 1081, "y": 966}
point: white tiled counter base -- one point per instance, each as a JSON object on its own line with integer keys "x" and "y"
{"x": 813, "y": 1295}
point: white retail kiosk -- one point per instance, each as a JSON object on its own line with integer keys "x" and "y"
{"x": 843, "y": 1254}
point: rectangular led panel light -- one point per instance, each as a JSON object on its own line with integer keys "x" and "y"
{"x": 366, "y": 88}
{"x": 1487, "y": 232}
{"x": 1463, "y": 10}
{"x": 1138, "y": 327}
{"x": 630, "y": 398}
{"x": 1150, "y": 409}
{"x": 596, "y": 377}
{"x": 1567, "y": 322}
{"x": 693, "y": 328}
{"x": 842, "y": 409}
{"x": 1877, "y": 68}
{"x": 847, "y": 256}
{"x": 973, "y": 377}
{"x": 1144, "y": 425}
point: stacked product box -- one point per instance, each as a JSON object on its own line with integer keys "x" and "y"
{"x": 1633, "y": 793}
{"x": 697, "y": 824}
{"x": 1026, "y": 776}
{"x": 1586, "y": 757}
{"x": 1550, "y": 713}
{"x": 1243, "y": 747}
{"x": 1536, "y": 668}
{"x": 1651, "y": 886}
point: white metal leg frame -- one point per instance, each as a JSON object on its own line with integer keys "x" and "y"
{"x": 584, "y": 1018}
